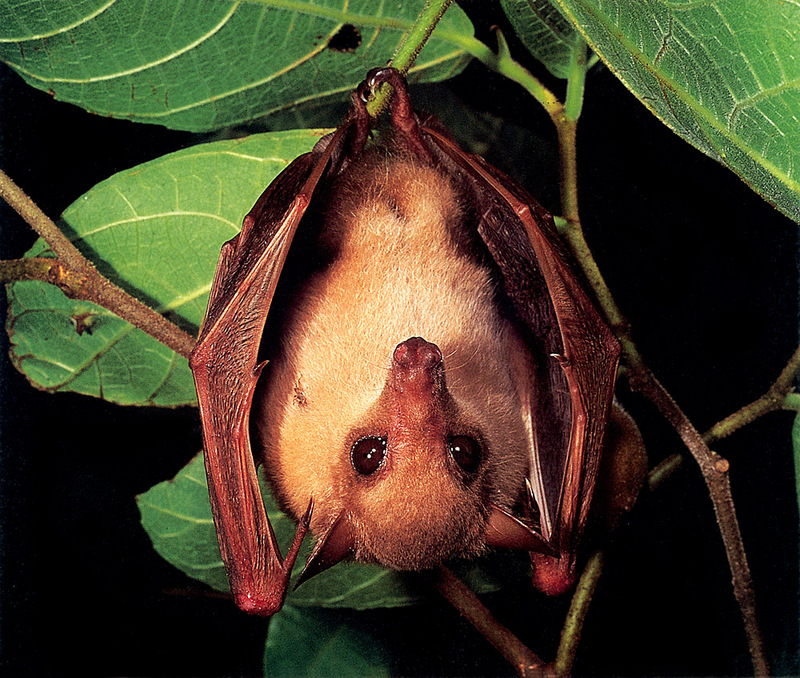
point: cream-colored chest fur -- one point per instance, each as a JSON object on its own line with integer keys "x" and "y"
{"x": 397, "y": 274}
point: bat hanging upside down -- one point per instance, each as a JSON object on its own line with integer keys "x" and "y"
{"x": 437, "y": 382}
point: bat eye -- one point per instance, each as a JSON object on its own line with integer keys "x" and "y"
{"x": 466, "y": 452}
{"x": 367, "y": 454}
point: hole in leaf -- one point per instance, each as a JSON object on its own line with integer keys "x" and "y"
{"x": 346, "y": 39}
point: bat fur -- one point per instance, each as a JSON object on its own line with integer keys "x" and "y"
{"x": 397, "y": 271}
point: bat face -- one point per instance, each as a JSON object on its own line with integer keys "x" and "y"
{"x": 393, "y": 401}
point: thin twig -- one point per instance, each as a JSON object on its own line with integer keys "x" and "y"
{"x": 460, "y": 596}
{"x": 79, "y": 279}
{"x": 578, "y": 608}
{"x": 779, "y": 396}
{"x": 773, "y": 399}
{"x": 409, "y": 48}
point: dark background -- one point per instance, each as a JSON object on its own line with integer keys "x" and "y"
{"x": 704, "y": 270}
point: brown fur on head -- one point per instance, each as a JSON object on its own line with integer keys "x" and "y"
{"x": 398, "y": 272}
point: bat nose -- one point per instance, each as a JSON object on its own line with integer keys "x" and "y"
{"x": 417, "y": 354}
{"x": 416, "y": 386}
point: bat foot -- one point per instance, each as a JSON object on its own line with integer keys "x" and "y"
{"x": 260, "y": 607}
{"x": 553, "y": 576}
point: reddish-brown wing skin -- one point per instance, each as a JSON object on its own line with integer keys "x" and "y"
{"x": 226, "y": 369}
{"x": 579, "y": 352}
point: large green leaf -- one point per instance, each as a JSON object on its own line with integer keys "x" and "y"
{"x": 176, "y": 514}
{"x": 724, "y": 75}
{"x": 320, "y": 643}
{"x": 62, "y": 344}
{"x": 544, "y": 31}
{"x": 156, "y": 230}
{"x": 199, "y": 65}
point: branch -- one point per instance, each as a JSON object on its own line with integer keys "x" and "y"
{"x": 774, "y": 399}
{"x": 78, "y": 278}
{"x": 779, "y": 396}
{"x": 715, "y": 473}
{"x": 578, "y": 608}
{"x": 460, "y": 596}
{"x": 713, "y": 467}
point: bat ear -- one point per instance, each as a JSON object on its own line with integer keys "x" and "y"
{"x": 506, "y": 531}
{"x": 337, "y": 544}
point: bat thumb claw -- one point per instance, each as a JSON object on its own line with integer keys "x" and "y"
{"x": 505, "y": 530}
{"x": 335, "y": 545}
{"x": 258, "y": 368}
{"x": 305, "y": 521}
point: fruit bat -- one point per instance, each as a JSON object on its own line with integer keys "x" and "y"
{"x": 425, "y": 374}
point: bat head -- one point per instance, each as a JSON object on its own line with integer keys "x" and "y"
{"x": 419, "y": 479}
{"x": 419, "y": 484}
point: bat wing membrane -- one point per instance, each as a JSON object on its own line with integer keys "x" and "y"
{"x": 226, "y": 369}
{"x": 573, "y": 382}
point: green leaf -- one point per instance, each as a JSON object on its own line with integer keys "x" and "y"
{"x": 108, "y": 359}
{"x": 177, "y": 517}
{"x": 722, "y": 75}
{"x": 199, "y": 65}
{"x": 176, "y": 514}
{"x": 544, "y": 31}
{"x": 156, "y": 230}
{"x": 303, "y": 642}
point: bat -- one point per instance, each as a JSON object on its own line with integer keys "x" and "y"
{"x": 426, "y": 376}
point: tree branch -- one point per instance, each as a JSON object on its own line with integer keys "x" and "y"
{"x": 715, "y": 473}
{"x": 779, "y": 396}
{"x": 460, "y": 596}
{"x": 78, "y": 278}
{"x": 576, "y": 616}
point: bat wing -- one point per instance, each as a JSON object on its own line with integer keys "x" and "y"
{"x": 572, "y": 383}
{"x": 226, "y": 368}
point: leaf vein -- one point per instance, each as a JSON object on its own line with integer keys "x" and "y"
{"x": 141, "y": 67}
{"x": 61, "y": 29}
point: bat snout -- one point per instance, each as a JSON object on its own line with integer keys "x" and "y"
{"x": 417, "y": 368}
{"x": 416, "y": 354}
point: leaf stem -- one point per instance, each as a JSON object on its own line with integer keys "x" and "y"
{"x": 460, "y": 596}
{"x": 409, "y": 48}
{"x": 78, "y": 278}
{"x": 576, "y": 615}
{"x": 503, "y": 63}
{"x": 576, "y": 81}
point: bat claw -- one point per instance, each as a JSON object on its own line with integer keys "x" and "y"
{"x": 335, "y": 545}
{"x": 305, "y": 521}
{"x": 299, "y": 535}
{"x": 258, "y": 368}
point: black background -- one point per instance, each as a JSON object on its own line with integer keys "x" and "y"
{"x": 704, "y": 270}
